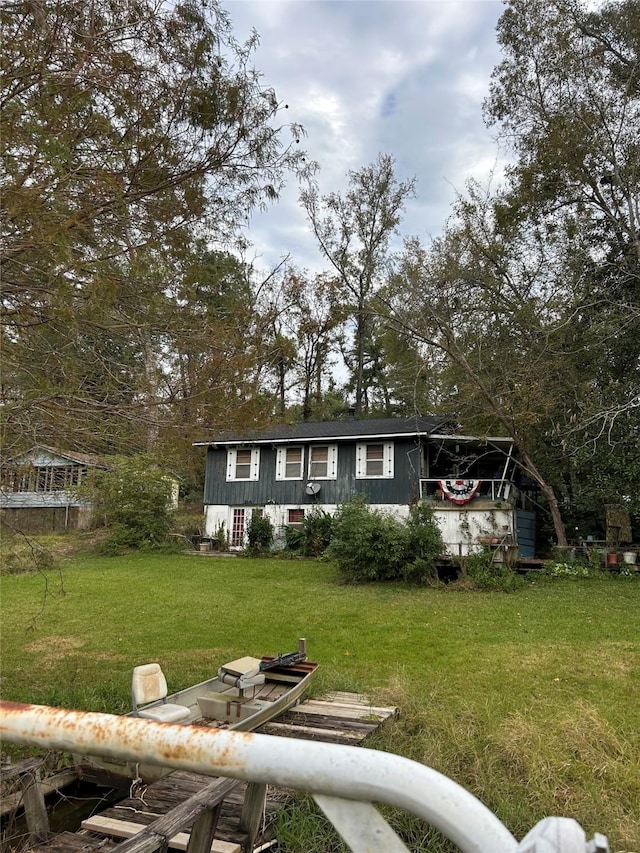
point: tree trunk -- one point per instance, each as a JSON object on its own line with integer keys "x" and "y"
{"x": 549, "y": 493}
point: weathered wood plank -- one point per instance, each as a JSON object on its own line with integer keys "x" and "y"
{"x": 128, "y": 830}
{"x": 254, "y": 801}
{"x": 182, "y": 815}
{"x": 203, "y": 831}
{"x": 179, "y": 806}
{"x": 307, "y": 731}
{"x": 10, "y": 802}
{"x": 74, "y": 842}
{"x": 14, "y": 771}
{"x": 342, "y": 709}
{"x": 322, "y": 721}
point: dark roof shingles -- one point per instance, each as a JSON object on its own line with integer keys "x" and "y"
{"x": 353, "y": 428}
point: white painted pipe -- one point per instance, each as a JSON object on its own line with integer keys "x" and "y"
{"x": 347, "y": 772}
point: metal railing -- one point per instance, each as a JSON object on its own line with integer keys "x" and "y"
{"x": 490, "y": 490}
{"x": 345, "y": 781}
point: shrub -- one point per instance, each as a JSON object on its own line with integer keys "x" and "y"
{"x": 568, "y": 569}
{"x": 314, "y": 537}
{"x": 371, "y": 546}
{"x": 293, "y": 539}
{"x": 425, "y": 543}
{"x": 259, "y": 533}
{"x": 367, "y": 545}
{"x": 317, "y": 529}
{"x": 485, "y": 573}
{"x": 134, "y": 497}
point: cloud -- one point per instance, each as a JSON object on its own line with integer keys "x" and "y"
{"x": 371, "y": 76}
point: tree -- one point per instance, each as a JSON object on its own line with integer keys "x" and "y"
{"x": 532, "y": 294}
{"x": 129, "y": 130}
{"x": 567, "y": 97}
{"x": 491, "y": 306}
{"x": 315, "y": 317}
{"x": 354, "y": 231}
{"x": 211, "y": 348}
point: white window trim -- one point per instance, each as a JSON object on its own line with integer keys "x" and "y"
{"x": 332, "y": 463}
{"x": 387, "y": 461}
{"x": 254, "y": 470}
{"x": 281, "y": 462}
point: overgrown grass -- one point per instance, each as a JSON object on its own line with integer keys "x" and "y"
{"x": 530, "y": 700}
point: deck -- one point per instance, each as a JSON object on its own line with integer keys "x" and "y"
{"x": 345, "y": 718}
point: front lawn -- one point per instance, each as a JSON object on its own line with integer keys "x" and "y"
{"x": 530, "y": 699}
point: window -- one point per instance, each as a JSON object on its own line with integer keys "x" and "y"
{"x": 289, "y": 463}
{"x": 243, "y": 464}
{"x": 374, "y": 460}
{"x": 323, "y": 462}
{"x": 296, "y": 516}
{"x": 42, "y": 478}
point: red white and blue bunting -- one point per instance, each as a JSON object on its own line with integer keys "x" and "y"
{"x": 459, "y": 491}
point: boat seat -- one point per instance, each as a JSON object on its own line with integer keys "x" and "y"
{"x": 148, "y": 684}
{"x": 242, "y": 673}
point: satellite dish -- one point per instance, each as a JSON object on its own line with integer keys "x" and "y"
{"x": 312, "y": 488}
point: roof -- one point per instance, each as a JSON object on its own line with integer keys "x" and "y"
{"x": 335, "y": 430}
{"x": 89, "y": 459}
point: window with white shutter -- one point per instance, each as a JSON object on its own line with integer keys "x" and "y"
{"x": 323, "y": 462}
{"x": 374, "y": 460}
{"x": 289, "y": 463}
{"x": 243, "y": 463}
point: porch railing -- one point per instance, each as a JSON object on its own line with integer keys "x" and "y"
{"x": 490, "y": 490}
{"x": 345, "y": 781}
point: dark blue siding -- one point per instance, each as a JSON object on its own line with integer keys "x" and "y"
{"x": 526, "y": 524}
{"x": 402, "y": 489}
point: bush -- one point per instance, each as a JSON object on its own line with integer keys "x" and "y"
{"x": 314, "y": 537}
{"x": 317, "y": 530}
{"x": 371, "y": 546}
{"x": 259, "y": 533}
{"x": 425, "y": 543}
{"x": 293, "y": 539}
{"x": 485, "y": 573}
{"x": 367, "y": 545}
{"x": 134, "y": 498}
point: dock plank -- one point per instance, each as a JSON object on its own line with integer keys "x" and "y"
{"x": 127, "y": 829}
{"x": 337, "y": 717}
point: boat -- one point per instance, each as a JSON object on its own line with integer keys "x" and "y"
{"x": 245, "y": 694}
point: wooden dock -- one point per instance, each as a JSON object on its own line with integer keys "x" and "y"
{"x": 346, "y": 718}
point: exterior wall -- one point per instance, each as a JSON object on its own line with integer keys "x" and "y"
{"x": 403, "y": 488}
{"x": 461, "y": 526}
{"x": 222, "y": 515}
{"x": 39, "y": 500}
{"x": 53, "y": 519}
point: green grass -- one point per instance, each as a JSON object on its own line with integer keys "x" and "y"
{"x": 531, "y": 700}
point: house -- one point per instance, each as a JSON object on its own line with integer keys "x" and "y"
{"x": 285, "y": 472}
{"x": 37, "y": 489}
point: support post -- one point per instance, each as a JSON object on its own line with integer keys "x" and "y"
{"x": 252, "y": 810}
{"x": 203, "y": 830}
{"x": 35, "y": 810}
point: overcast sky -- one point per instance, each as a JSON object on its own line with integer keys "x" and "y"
{"x": 400, "y": 77}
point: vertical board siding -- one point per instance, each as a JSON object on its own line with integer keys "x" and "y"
{"x": 401, "y": 489}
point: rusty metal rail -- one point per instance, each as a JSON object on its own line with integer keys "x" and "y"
{"x": 345, "y": 781}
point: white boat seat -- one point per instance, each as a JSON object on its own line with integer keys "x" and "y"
{"x": 242, "y": 673}
{"x": 148, "y": 684}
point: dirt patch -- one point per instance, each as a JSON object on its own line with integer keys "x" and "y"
{"x": 53, "y": 649}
